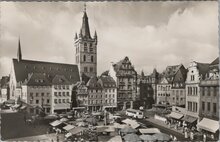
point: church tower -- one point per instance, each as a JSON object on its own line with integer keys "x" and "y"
{"x": 86, "y": 49}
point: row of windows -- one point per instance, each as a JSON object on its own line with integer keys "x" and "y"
{"x": 207, "y": 107}
{"x": 164, "y": 88}
{"x": 38, "y": 101}
{"x": 177, "y": 98}
{"x": 178, "y": 85}
{"x": 102, "y": 96}
{"x": 209, "y": 90}
{"x": 175, "y": 92}
{"x": 100, "y": 91}
{"x": 61, "y": 94}
{"x": 100, "y": 101}
{"x": 164, "y": 95}
{"x": 192, "y": 90}
{"x": 39, "y": 87}
{"x": 61, "y": 101}
{"x": 192, "y": 106}
{"x": 39, "y": 94}
{"x": 61, "y": 87}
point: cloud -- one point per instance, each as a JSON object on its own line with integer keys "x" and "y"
{"x": 151, "y": 34}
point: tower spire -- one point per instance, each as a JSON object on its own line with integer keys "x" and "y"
{"x": 85, "y": 25}
{"x": 19, "y": 55}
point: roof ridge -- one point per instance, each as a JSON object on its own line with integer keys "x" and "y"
{"x": 45, "y": 62}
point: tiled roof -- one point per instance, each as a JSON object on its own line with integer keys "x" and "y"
{"x": 101, "y": 82}
{"x": 107, "y": 81}
{"x": 25, "y": 68}
{"x": 60, "y": 79}
{"x": 37, "y": 79}
{"x": 203, "y": 68}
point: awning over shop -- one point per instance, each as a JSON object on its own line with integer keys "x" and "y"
{"x": 68, "y": 127}
{"x": 208, "y": 125}
{"x": 77, "y": 130}
{"x": 149, "y": 131}
{"x": 189, "y": 119}
{"x": 55, "y": 123}
{"x": 175, "y": 115}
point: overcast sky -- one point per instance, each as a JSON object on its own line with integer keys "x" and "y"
{"x": 151, "y": 34}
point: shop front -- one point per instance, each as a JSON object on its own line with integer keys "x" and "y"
{"x": 189, "y": 121}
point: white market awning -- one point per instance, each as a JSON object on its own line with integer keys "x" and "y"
{"x": 55, "y": 123}
{"x": 175, "y": 115}
{"x": 68, "y": 127}
{"x": 208, "y": 125}
{"x": 132, "y": 123}
{"x": 149, "y": 131}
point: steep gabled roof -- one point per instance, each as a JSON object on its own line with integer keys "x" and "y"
{"x": 203, "y": 68}
{"x": 49, "y": 69}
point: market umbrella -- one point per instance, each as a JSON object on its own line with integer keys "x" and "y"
{"x": 132, "y": 138}
{"x": 162, "y": 137}
{"x": 148, "y": 138}
{"x": 128, "y": 129}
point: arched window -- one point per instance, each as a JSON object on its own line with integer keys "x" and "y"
{"x": 84, "y": 58}
{"x": 91, "y": 58}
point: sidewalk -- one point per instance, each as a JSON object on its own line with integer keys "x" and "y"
{"x": 161, "y": 123}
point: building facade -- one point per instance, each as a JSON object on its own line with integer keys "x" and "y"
{"x": 150, "y": 81}
{"x": 4, "y": 89}
{"x": 43, "y": 84}
{"x": 178, "y": 93}
{"x": 196, "y": 73}
{"x": 86, "y": 50}
{"x": 209, "y": 93}
{"x": 125, "y": 77}
{"x": 171, "y": 89}
{"x": 102, "y": 93}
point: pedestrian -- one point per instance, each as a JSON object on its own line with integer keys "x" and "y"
{"x": 171, "y": 136}
{"x": 204, "y": 137}
{"x": 186, "y": 134}
{"x": 174, "y": 138}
